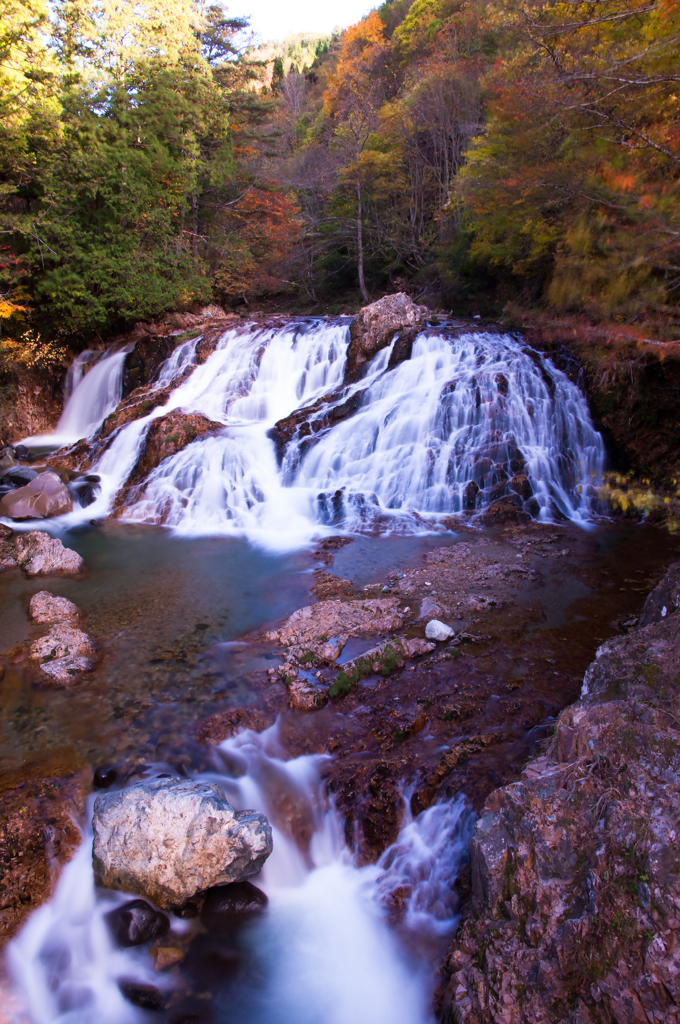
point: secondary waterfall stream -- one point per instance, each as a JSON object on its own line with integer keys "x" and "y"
{"x": 322, "y": 954}
{"x": 451, "y": 428}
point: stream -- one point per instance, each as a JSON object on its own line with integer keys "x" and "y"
{"x": 225, "y": 538}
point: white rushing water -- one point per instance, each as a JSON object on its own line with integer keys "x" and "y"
{"x": 443, "y": 432}
{"x": 323, "y": 953}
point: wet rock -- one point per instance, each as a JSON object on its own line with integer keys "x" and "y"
{"x": 19, "y": 476}
{"x": 520, "y": 485}
{"x": 436, "y": 630}
{"x": 169, "y": 839}
{"x": 664, "y": 600}
{"x": 166, "y": 956}
{"x": 374, "y": 327}
{"x": 508, "y": 509}
{"x": 61, "y": 641}
{"x": 228, "y": 906}
{"x": 166, "y": 436}
{"x": 136, "y": 922}
{"x": 146, "y": 997}
{"x": 64, "y": 653}
{"x": 38, "y": 554}
{"x": 319, "y": 624}
{"x": 576, "y": 867}
{"x": 7, "y": 457}
{"x": 104, "y": 776}
{"x": 43, "y": 497}
{"x": 304, "y": 696}
{"x": 45, "y": 607}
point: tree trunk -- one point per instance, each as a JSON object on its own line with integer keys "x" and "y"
{"x": 360, "y": 245}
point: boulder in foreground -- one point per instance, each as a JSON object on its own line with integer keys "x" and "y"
{"x": 169, "y": 839}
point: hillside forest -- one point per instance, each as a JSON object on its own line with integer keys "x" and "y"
{"x": 484, "y": 156}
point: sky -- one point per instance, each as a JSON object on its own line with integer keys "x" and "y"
{"x": 276, "y": 19}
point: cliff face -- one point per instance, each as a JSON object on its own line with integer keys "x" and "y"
{"x": 575, "y": 908}
{"x": 32, "y": 405}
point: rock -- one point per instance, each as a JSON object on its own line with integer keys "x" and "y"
{"x": 45, "y": 607}
{"x": 303, "y": 696}
{"x": 166, "y": 956}
{"x": 169, "y": 839}
{"x": 374, "y": 327}
{"x": 146, "y": 997}
{"x": 7, "y": 457}
{"x": 38, "y": 554}
{"x": 507, "y": 509}
{"x": 664, "y": 600}
{"x": 45, "y": 496}
{"x": 520, "y": 485}
{"x": 64, "y": 653}
{"x": 7, "y": 550}
{"x": 63, "y": 640}
{"x": 227, "y": 906}
{"x": 166, "y": 436}
{"x": 576, "y": 867}
{"x": 136, "y": 922}
{"x": 104, "y": 776}
{"x": 436, "y": 630}
{"x": 19, "y": 476}
{"x": 328, "y": 622}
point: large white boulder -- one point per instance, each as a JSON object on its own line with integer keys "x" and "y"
{"x": 168, "y": 839}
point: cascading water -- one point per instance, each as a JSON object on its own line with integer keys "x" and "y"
{"x": 468, "y": 418}
{"x": 94, "y": 396}
{"x": 323, "y": 953}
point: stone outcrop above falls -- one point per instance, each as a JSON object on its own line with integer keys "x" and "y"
{"x": 375, "y": 325}
{"x": 169, "y": 839}
{"x": 575, "y": 912}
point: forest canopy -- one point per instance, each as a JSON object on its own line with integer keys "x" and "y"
{"x": 480, "y": 155}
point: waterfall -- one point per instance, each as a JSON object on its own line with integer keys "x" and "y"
{"x": 466, "y": 419}
{"x": 324, "y": 950}
{"x": 93, "y": 396}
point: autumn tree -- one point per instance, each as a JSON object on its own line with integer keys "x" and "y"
{"x": 356, "y": 90}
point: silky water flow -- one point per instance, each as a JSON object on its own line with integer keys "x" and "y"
{"x": 322, "y": 953}
{"x": 442, "y": 432}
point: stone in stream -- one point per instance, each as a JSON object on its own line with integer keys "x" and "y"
{"x": 168, "y": 839}
{"x": 45, "y": 607}
{"x": 375, "y": 325}
{"x": 436, "y": 630}
{"x": 42, "y": 498}
{"x": 38, "y": 554}
{"x": 64, "y": 653}
{"x": 136, "y": 922}
{"x": 227, "y": 906}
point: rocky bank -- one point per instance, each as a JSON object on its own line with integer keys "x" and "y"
{"x": 575, "y": 909}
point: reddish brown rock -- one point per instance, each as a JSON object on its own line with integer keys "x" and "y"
{"x": 45, "y": 607}
{"x": 38, "y": 554}
{"x": 508, "y": 509}
{"x": 37, "y": 837}
{"x": 41, "y": 498}
{"x": 166, "y": 436}
{"x": 576, "y": 867}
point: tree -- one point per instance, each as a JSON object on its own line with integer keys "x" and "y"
{"x": 353, "y": 98}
